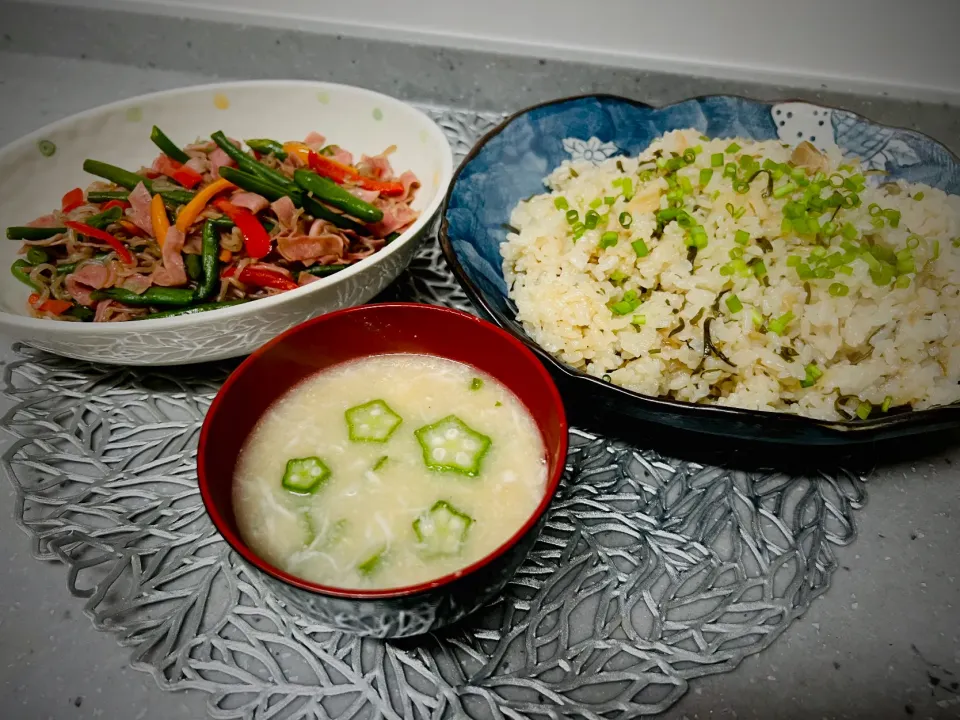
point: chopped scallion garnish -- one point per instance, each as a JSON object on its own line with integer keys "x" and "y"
{"x": 864, "y": 409}
{"x": 608, "y": 239}
{"x": 561, "y": 203}
{"x": 716, "y": 160}
{"x": 780, "y": 324}
{"x": 838, "y": 289}
{"x": 887, "y": 402}
{"x": 742, "y": 237}
{"x": 732, "y": 148}
{"x": 626, "y": 219}
{"x": 640, "y": 248}
{"x": 917, "y": 196}
{"x": 572, "y": 216}
{"x": 733, "y": 304}
{"x": 638, "y": 320}
{"x": 595, "y": 203}
{"x": 705, "y": 175}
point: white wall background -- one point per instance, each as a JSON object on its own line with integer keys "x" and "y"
{"x": 908, "y": 48}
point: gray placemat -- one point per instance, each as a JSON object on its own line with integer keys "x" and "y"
{"x": 652, "y": 570}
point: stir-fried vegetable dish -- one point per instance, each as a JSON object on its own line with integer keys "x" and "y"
{"x": 209, "y": 225}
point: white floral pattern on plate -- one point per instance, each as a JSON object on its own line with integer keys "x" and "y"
{"x": 592, "y": 150}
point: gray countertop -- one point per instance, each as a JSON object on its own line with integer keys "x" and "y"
{"x": 884, "y": 641}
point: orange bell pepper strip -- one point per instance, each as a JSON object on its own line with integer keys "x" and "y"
{"x": 158, "y": 215}
{"x": 191, "y": 211}
{"x": 340, "y": 174}
{"x": 299, "y": 149}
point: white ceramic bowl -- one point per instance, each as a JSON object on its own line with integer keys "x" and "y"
{"x": 32, "y": 183}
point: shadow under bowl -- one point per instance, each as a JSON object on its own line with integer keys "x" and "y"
{"x": 353, "y": 334}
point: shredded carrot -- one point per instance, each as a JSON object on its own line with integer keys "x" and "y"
{"x": 158, "y": 215}
{"x": 191, "y": 211}
{"x": 226, "y": 256}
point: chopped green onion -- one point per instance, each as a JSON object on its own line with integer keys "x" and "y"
{"x": 780, "y": 324}
{"x": 838, "y": 289}
{"x": 756, "y": 317}
{"x": 785, "y": 189}
{"x": 730, "y": 170}
{"x": 836, "y": 180}
{"x": 741, "y": 187}
{"x": 609, "y": 199}
{"x": 883, "y": 276}
{"x": 638, "y": 320}
{"x": 848, "y": 231}
{"x": 645, "y": 176}
{"x": 705, "y": 175}
{"x": 793, "y": 260}
{"x": 626, "y": 219}
{"x": 887, "y": 401}
{"x": 736, "y": 253}
{"x": 595, "y": 203}
{"x": 845, "y": 269}
{"x": 689, "y": 156}
{"x": 759, "y": 269}
{"x": 813, "y": 373}
{"x": 732, "y": 148}
{"x": 936, "y": 250}
{"x": 917, "y": 196}
{"x": 902, "y": 282}
{"x": 804, "y": 272}
{"x": 733, "y": 304}
{"x": 686, "y": 185}
{"x": 874, "y": 210}
{"x": 627, "y": 186}
{"x": 476, "y": 384}
{"x": 640, "y": 248}
{"x": 698, "y": 237}
{"x": 572, "y": 216}
{"x": 716, "y": 160}
{"x": 561, "y": 203}
{"x": 742, "y": 237}
{"x": 913, "y": 242}
{"x": 906, "y": 266}
{"x": 608, "y": 239}
{"x": 829, "y": 229}
{"x": 824, "y": 273}
{"x": 864, "y": 409}
{"x": 591, "y": 219}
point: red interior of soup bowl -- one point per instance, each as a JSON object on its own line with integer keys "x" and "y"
{"x": 348, "y": 335}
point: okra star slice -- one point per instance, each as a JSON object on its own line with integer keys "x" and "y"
{"x": 372, "y": 422}
{"x": 305, "y": 475}
{"x": 442, "y": 530}
{"x": 450, "y": 445}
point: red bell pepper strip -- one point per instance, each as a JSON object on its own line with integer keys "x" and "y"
{"x": 102, "y": 236}
{"x": 188, "y": 177}
{"x": 71, "y": 200}
{"x": 122, "y": 204}
{"x": 255, "y": 238}
{"x": 51, "y": 305}
{"x": 340, "y": 174}
{"x": 262, "y": 277}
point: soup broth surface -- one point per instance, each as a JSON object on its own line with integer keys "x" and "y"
{"x": 380, "y": 517}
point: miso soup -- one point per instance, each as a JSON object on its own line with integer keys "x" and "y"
{"x": 387, "y": 472}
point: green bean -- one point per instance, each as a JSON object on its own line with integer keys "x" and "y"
{"x": 193, "y": 309}
{"x": 21, "y": 271}
{"x": 153, "y": 297}
{"x": 102, "y": 196}
{"x": 261, "y": 186}
{"x": 171, "y": 198}
{"x": 116, "y": 175}
{"x": 194, "y": 267}
{"x": 37, "y": 256}
{"x": 248, "y": 164}
{"x": 223, "y": 223}
{"x": 82, "y": 313}
{"x": 167, "y": 146}
{"x": 210, "y": 263}
{"x": 332, "y": 194}
{"x": 101, "y": 220}
{"x": 324, "y": 270}
{"x": 265, "y": 146}
{"x": 33, "y": 233}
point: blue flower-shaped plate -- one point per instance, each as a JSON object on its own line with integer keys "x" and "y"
{"x": 510, "y": 162}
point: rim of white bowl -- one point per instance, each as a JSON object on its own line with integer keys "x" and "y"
{"x": 436, "y": 136}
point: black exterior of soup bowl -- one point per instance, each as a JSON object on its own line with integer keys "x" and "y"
{"x": 348, "y": 335}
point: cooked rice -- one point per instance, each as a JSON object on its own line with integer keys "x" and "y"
{"x": 886, "y": 346}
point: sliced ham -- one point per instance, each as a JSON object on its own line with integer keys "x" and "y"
{"x": 286, "y": 212}
{"x": 314, "y": 140}
{"x": 365, "y": 195}
{"x": 309, "y": 248}
{"x": 172, "y": 273}
{"x": 139, "y": 211}
{"x": 396, "y": 216}
{"x": 218, "y": 159}
{"x": 199, "y": 164}
{"x": 102, "y": 313}
{"x": 251, "y": 201}
{"x": 136, "y": 283}
{"x": 366, "y": 247}
{"x": 345, "y": 157}
{"x": 377, "y": 167}
{"x": 305, "y": 278}
{"x": 87, "y": 278}
{"x": 410, "y": 184}
{"x": 45, "y": 221}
